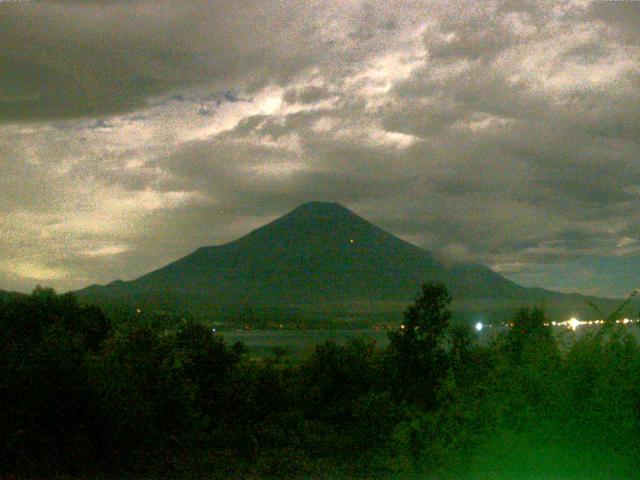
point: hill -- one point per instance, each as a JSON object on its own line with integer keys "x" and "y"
{"x": 322, "y": 257}
{"x": 5, "y": 296}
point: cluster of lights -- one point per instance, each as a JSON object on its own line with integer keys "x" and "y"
{"x": 572, "y": 323}
{"x": 481, "y": 326}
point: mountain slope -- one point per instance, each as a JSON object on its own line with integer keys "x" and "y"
{"x": 6, "y": 296}
{"x": 316, "y": 256}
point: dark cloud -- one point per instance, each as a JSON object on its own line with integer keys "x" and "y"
{"x": 101, "y": 57}
{"x": 623, "y": 17}
{"x": 308, "y": 94}
{"x": 70, "y": 59}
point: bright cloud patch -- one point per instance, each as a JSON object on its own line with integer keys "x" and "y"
{"x": 34, "y": 271}
{"x": 105, "y": 251}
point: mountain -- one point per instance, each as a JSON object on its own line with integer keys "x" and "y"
{"x": 6, "y": 296}
{"x": 321, "y": 257}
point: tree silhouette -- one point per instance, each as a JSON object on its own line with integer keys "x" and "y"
{"x": 527, "y": 327}
{"x": 419, "y": 346}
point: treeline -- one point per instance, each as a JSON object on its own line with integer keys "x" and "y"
{"x": 83, "y": 397}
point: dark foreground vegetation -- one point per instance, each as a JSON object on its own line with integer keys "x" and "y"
{"x": 82, "y": 397}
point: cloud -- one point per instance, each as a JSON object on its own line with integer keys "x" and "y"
{"x": 35, "y": 271}
{"x": 506, "y": 133}
{"x": 70, "y": 59}
{"x": 105, "y": 251}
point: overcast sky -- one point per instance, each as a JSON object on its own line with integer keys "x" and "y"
{"x": 505, "y": 133}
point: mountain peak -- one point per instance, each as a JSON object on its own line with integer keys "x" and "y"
{"x": 320, "y": 214}
{"x": 320, "y": 254}
{"x": 313, "y": 216}
{"x": 322, "y": 208}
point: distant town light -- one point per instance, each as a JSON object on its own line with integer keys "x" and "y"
{"x": 573, "y": 323}
{"x": 479, "y": 326}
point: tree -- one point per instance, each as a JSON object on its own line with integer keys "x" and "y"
{"x": 419, "y": 347}
{"x": 528, "y": 328}
{"x": 45, "y": 393}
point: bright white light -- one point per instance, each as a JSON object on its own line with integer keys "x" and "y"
{"x": 573, "y": 323}
{"x": 479, "y": 326}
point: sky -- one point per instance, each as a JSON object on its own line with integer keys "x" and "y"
{"x": 505, "y": 133}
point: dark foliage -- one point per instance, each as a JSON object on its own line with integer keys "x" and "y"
{"x": 82, "y": 398}
{"x": 419, "y": 347}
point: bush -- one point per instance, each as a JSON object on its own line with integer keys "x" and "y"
{"x": 82, "y": 398}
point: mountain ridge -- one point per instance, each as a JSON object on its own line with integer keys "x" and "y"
{"x": 318, "y": 254}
